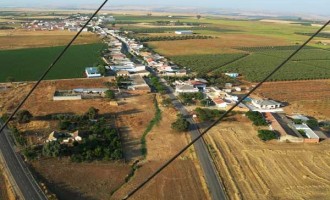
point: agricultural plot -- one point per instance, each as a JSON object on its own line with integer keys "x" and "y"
{"x": 29, "y": 64}
{"x": 256, "y": 66}
{"x": 206, "y": 63}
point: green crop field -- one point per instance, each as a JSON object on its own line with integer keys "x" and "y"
{"x": 29, "y": 64}
{"x": 205, "y": 63}
{"x": 311, "y": 63}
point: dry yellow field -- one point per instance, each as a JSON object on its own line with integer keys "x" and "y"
{"x": 252, "y": 169}
{"x": 18, "y": 39}
{"x": 223, "y": 44}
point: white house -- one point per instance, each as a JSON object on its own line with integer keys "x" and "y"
{"x": 232, "y": 75}
{"x": 184, "y": 32}
{"x": 266, "y": 104}
{"x": 92, "y": 72}
{"x": 219, "y": 102}
{"x": 186, "y": 89}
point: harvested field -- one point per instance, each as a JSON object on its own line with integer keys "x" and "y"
{"x": 81, "y": 181}
{"x": 19, "y": 39}
{"x": 224, "y": 44}
{"x": 252, "y": 169}
{"x": 133, "y": 118}
{"x": 181, "y": 180}
{"x": 305, "y": 97}
{"x": 178, "y": 181}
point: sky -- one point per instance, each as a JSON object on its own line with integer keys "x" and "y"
{"x": 283, "y": 6}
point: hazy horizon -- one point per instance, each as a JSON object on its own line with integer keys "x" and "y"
{"x": 275, "y": 6}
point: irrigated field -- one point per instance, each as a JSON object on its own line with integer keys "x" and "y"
{"x": 257, "y": 62}
{"x": 252, "y": 169}
{"x": 29, "y": 64}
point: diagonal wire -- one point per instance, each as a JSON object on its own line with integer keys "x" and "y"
{"x": 50, "y": 67}
{"x": 130, "y": 194}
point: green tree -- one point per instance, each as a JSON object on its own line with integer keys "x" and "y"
{"x": 312, "y": 123}
{"x": 266, "y": 135}
{"x": 51, "y": 149}
{"x": 4, "y": 117}
{"x": 24, "y": 116}
{"x": 110, "y": 94}
{"x": 180, "y": 125}
{"x": 101, "y": 70}
{"x": 92, "y": 113}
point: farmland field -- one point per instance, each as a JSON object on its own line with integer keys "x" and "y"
{"x": 252, "y": 169}
{"x": 309, "y": 97}
{"x": 19, "y": 39}
{"x": 29, "y": 64}
{"x": 310, "y": 63}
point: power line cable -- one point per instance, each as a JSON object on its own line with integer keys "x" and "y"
{"x": 50, "y": 67}
{"x": 130, "y": 194}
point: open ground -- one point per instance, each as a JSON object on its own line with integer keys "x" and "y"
{"x": 252, "y": 169}
{"x": 307, "y": 97}
{"x": 19, "y": 39}
{"x": 98, "y": 180}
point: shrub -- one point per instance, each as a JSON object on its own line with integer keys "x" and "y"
{"x": 110, "y": 94}
{"x": 266, "y": 135}
{"x": 256, "y": 118}
{"x": 180, "y": 125}
{"x": 312, "y": 123}
{"x": 24, "y": 116}
{"x": 205, "y": 114}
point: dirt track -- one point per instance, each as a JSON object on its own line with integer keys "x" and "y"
{"x": 252, "y": 169}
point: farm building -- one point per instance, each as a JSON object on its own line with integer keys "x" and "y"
{"x": 66, "y": 95}
{"x": 232, "y": 75}
{"x": 266, "y": 104}
{"x": 308, "y": 131}
{"x": 219, "y": 102}
{"x": 184, "y": 32}
{"x": 186, "y": 89}
{"x": 78, "y": 94}
{"x": 92, "y": 72}
{"x": 299, "y": 117}
{"x": 279, "y": 123}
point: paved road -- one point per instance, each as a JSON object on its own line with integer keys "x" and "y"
{"x": 211, "y": 175}
{"x": 24, "y": 180}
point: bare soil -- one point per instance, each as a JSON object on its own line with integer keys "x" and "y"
{"x": 90, "y": 181}
{"x": 180, "y": 180}
{"x": 252, "y": 169}
{"x": 81, "y": 181}
{"x": 19, "y": 39}
{"x": 224, "y": 44}
{"x": 310, "y": 97}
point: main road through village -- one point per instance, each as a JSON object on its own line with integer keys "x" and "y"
{"x": 212, "y": 178}
{"x": 24, "y": 182}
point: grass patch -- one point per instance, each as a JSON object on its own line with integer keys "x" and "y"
{"x": 29, "y": 64}
{"x": 152, "y": 123}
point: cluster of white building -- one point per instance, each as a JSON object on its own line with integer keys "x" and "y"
{"x": 72, "y": 24}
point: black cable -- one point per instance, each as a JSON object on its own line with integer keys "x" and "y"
{"x": 50, "y": 67}
{"x": 223, "y": 116}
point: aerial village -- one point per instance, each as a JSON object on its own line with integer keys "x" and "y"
{"x": 132, "y": 63}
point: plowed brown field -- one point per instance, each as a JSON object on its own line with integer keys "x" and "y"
{"x": 306, "y": 97}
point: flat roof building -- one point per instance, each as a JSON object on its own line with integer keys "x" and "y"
{"x": 92, "y": 72}
{"x": 184, "y": 32}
